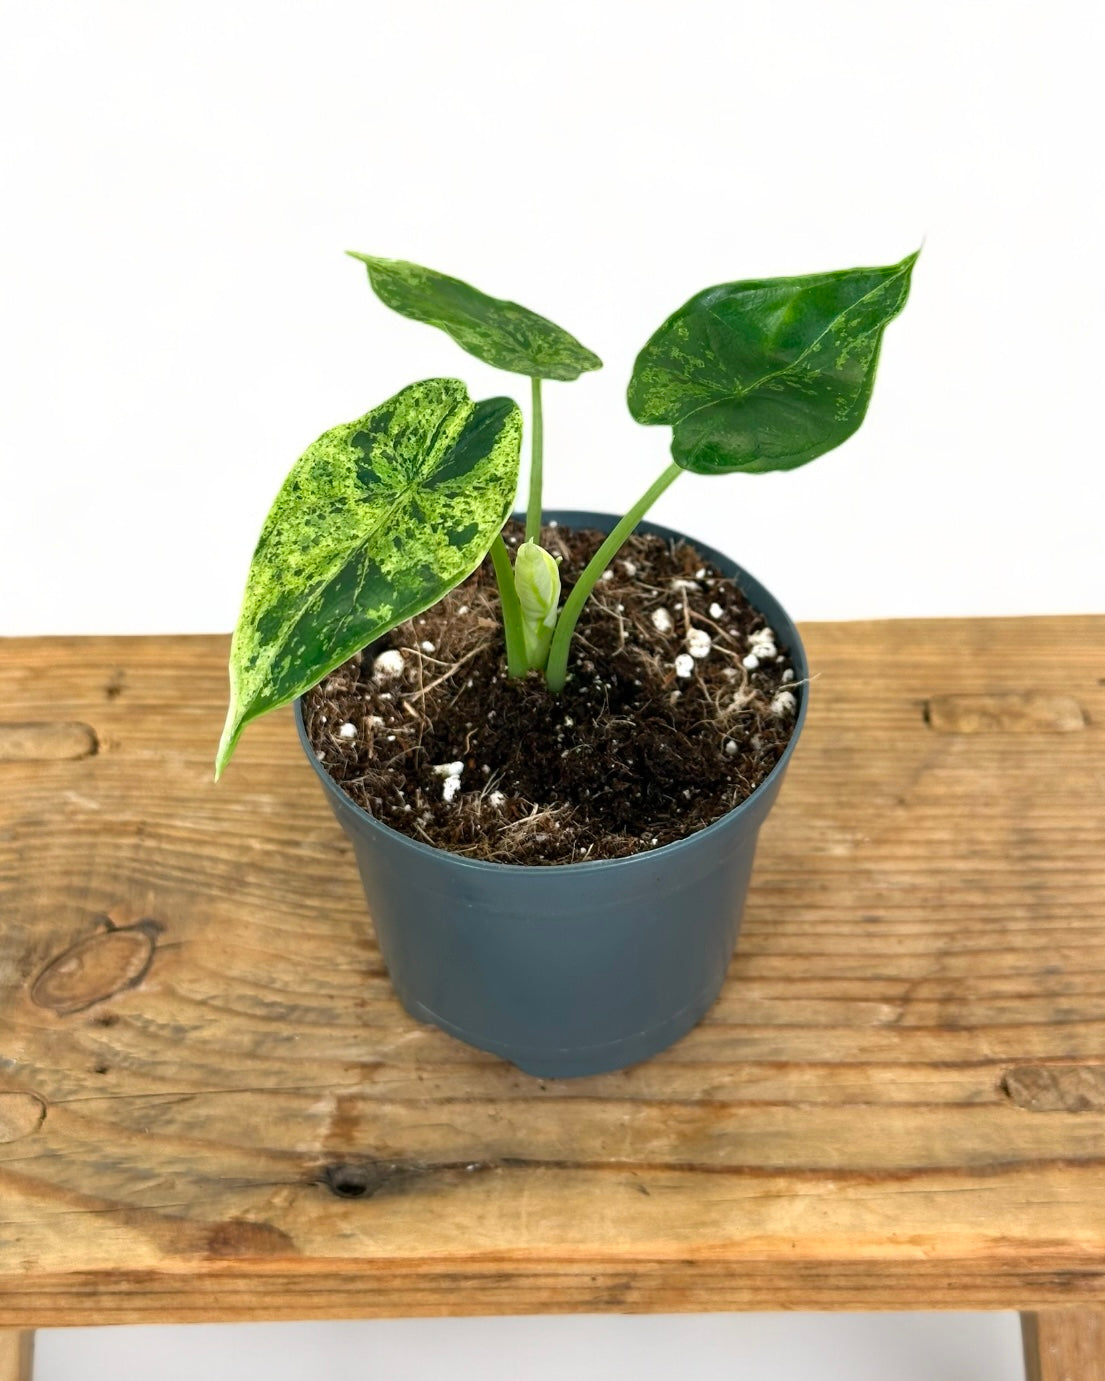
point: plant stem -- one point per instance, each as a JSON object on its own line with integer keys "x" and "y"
{"x": 517, "y": 663}
{"x": 533, "y": 508}
{"x": 556, "y": 670}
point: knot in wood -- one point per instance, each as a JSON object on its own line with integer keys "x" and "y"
{"x": 96, "y": 968}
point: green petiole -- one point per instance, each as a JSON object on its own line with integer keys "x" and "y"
{"x": 537, "y": 446}
{"x": 517, "y": 664}
{"x": 556, "y": 670}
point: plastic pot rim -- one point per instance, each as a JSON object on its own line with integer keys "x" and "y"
{"x": 665, "y": 852}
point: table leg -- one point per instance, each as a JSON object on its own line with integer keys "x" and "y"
{"x": 1064, "y": 1345}
{"x": 17, "y": 1346}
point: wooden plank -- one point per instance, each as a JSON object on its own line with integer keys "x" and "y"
{"x": 17, "y": 1346}
{"x": 211, "y": 1106}
{"x": 1064, "y": 1345}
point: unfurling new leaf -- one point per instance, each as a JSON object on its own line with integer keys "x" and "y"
{"x": 500, "y": 333}
{"x": 537, "y": 581}
{"x": 377, "y": 521}
{"x": 770, "y": 373}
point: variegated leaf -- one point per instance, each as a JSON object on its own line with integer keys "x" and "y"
{"x": 377, "y": 520}
{"x": 500, "y": 333}
{"x": 768, "y": 374}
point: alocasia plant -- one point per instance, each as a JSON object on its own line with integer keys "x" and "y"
{"x": 381, "y": 517}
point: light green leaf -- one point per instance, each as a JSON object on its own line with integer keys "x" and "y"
{"x": 537, "y": 581}
{"x": 537, "y": 584}
{"x": 377, "y": 520}
{"x": 500, "y": 333}
{"x": 768, "y": 374}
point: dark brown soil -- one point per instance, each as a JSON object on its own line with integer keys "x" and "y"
{"x": 631, "y": 756}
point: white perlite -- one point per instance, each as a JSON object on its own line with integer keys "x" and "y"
{"x": 679, "y": 583}
{"x": 784, "y": 703}
{"x": 497, "y": 798}
{"x": 751, "y": 662}
{"x": 730, "y": 747}
{"x": 388, "y": 665}
{"x": 630, "y": 568}
{"x": 347, "y": 731}
{"x": 699, "y": 643}
{"x": 716, "y": 610}
{"x": 447, "y": 769}
{"x": 684, "y": 666}
{"x": 762, "y": 644}
{"x": 428, "y": 646}
{"x": 451, "y": 772}
{"x": 662, "y": 621}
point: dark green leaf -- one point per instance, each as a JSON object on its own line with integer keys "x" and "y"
{"x": 499, "y": 333}
{"x": 769, "y": 373}
{"x": 377, "y": 521}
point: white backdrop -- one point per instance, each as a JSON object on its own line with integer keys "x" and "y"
{"x": 177, "y": 320}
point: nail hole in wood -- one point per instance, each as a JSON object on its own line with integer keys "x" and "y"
{"x": 346, "y": 1181}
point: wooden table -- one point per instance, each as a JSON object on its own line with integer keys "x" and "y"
{"x": 212, "y": 1108}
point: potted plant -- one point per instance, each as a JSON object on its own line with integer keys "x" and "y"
{"x": 553, "y": 797}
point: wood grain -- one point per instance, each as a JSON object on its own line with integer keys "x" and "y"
{"x": 212, "y": 1107}
{"x": 1064, "y": 1345}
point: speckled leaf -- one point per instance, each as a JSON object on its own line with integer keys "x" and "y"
{"x": 500, "y": 333}
{"x": 377, "y": 521}
{"x": 768, "y": 374}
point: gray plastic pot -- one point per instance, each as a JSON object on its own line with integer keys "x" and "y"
{"x": 576, "y": 968}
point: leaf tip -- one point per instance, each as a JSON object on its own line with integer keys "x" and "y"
{"x": 231, "y": 732}
{"x": 370, "y": 261}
